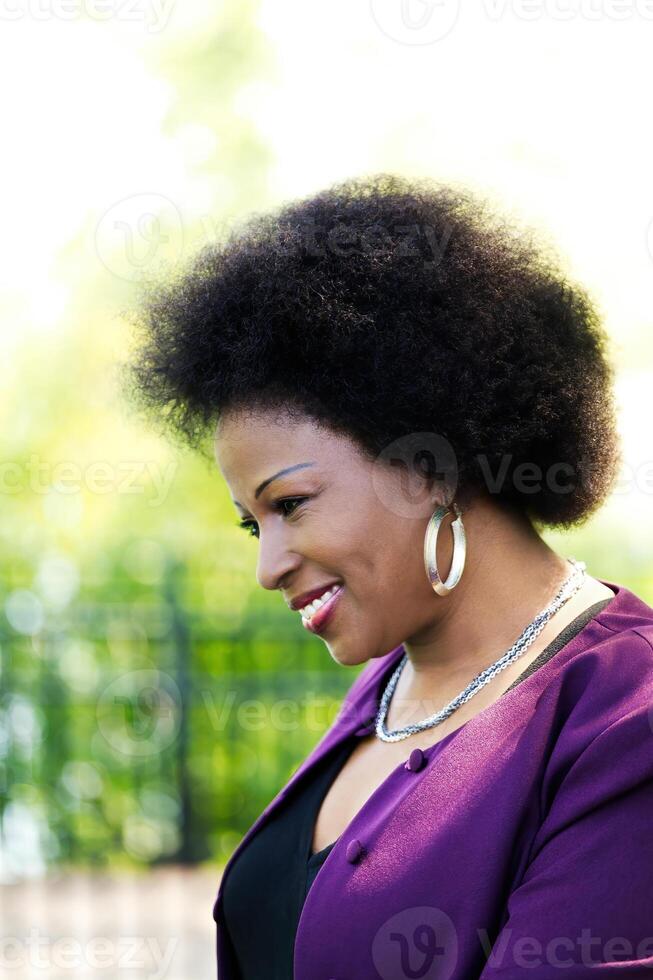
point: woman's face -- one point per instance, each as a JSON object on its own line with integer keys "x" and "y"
{"x": 324, "y": 514}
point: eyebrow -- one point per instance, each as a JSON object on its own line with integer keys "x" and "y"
{"x": 261, "y": 487}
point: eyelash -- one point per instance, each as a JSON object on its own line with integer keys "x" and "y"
{"x": 249, "y": 526}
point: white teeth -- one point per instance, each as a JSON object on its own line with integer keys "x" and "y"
{"x": 313, "y": 606}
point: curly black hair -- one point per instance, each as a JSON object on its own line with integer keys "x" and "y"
{"x": 384, "y": 306}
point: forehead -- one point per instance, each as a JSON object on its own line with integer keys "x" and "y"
{"x": 251, "y": 446}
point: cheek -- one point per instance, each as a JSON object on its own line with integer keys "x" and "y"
{"x": 402, "y": 560}
{"x": 367, "y": 543}
{"x": 345, "y": 548}
{"x": 386, "y": 553}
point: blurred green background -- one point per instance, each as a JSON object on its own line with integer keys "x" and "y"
{"x": 153, "y": 698}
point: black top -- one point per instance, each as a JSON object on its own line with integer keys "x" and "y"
{"x": 267, "y": 884}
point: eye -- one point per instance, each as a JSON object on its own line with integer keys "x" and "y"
{"x": 252, "y": 526}
{"x": 290, "y": 500}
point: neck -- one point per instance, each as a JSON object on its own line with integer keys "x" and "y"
{"x": 510, "y": 576}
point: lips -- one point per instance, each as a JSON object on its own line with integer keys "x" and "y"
{"x": 303, "y": 600}
{"x": 319, "y": 619}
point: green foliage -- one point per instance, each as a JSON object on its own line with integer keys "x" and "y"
{"x": 138, "y": 725}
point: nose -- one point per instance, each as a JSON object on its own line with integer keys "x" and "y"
{"x": 275, "y": 561}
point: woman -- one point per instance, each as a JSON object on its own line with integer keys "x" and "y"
{"x": 401, "y": 392}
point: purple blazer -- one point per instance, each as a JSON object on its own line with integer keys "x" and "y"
{"x": 521, "y": 846}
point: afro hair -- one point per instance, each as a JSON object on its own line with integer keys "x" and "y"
{"x": 384, "y": 306}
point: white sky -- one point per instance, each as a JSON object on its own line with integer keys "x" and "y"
{"x": 544, "y": 106}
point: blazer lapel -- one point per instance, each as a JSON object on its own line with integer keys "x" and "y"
{"x": 356, "y": 716}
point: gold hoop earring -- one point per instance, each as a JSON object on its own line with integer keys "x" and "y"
{"x": 459, "y": 550}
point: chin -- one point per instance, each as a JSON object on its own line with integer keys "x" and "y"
{"x": 350, "y": 658}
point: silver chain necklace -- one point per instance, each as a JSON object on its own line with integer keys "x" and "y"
{"x": 569, "y": 587}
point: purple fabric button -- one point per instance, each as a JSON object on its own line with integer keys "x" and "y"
{"x": 415, "y": 760}
{"x": 354, "y": 850}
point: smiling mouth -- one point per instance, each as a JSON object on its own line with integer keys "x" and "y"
{"x": 318, "y": 619}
